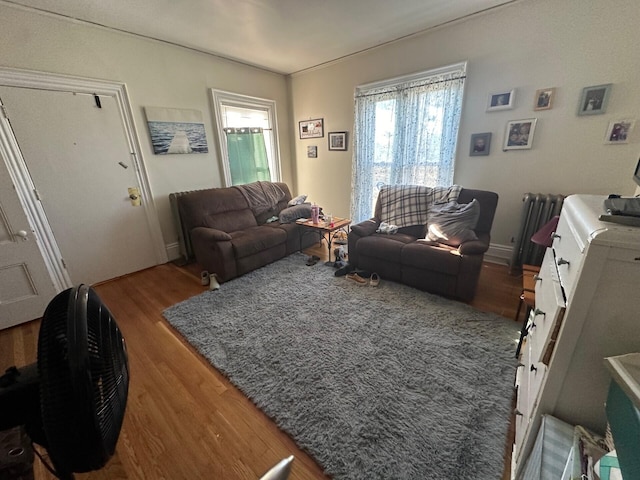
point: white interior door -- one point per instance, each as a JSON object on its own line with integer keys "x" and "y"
{"x": 80, "y": 163}
{"x": 25, "y": 285}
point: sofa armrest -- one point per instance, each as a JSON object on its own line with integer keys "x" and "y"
{"x": 475, "y": 247}
{"x": 210, "y": 234}
{"x": 358, "y": 231}
{"x": 366, "y": 228}
{"x": 214, "y": 252}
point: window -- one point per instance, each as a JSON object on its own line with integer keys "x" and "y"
{"x": 405, "y": 133}
{"x": 248, "y": 136}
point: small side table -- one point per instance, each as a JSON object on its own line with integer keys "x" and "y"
{"x": 326, "y": 228}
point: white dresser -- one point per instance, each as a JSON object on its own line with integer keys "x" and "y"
{"x": 587, "y": 308}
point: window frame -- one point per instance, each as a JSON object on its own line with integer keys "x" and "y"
{"x": 221, "y": 98}
{"x": 389, "y": 86}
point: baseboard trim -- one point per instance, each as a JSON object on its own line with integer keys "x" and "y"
{"x": 500, "y": 254}
{"x": 173, "y": 250}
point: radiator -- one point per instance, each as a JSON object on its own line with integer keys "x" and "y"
{"x": 184, "y": 240}
{"x": 537, "y": 209}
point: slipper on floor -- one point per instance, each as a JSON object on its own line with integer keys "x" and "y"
{"x": 344, "y": 270}
{"x": 374, "y": 281}
{"x": 356, "y": 278}
{"x": 312, "y": 260}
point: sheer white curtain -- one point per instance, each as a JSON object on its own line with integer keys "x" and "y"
{"x": 405, "y": 133}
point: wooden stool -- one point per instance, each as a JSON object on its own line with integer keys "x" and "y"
{"x": 528, "y": 295}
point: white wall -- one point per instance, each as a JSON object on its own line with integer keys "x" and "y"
{"x": 156, "y": 74}
{"x": 567, "y": 44}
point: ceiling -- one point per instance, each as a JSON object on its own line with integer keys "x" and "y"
{"x": 284, "y": 36}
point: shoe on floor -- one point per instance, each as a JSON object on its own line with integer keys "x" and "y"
{"x": 363, "y": 273}
{"x": 356, "y": 278}
{"x": 312, "y": 260}
{"x": 374, "y": 281}
{"x": 344, "y": 270}
{"x": 213, "y": 282}
{"x": 204, "y": 278}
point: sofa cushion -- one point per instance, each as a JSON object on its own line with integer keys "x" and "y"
{"x": 297, "y": 200}
{"x": 453, "y": 223}
{"x": 254, "y": 240}
{"x": 230, "y": 221}
{"x": 387, "y": 247}
{"x": 421, "y": 255}
{"x": 200, "y": 209}
{"x": 291, "y": 214}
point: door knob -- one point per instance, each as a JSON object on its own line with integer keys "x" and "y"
{"x": 22, "y": 234}
{"x": 134, "y": 196}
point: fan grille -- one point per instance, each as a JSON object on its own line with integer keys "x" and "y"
{"x": 84, "y": 373}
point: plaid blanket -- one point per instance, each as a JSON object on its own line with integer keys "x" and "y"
{"x": 405, "y": 205}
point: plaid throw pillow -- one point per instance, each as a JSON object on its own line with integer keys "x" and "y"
{"x": 406, "y": 205}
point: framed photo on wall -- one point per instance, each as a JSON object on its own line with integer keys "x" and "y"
{"x": 312, "y": 151}
{"x": 504, "y": 100}
{"x": 337, "y": 140}
{"x": 519, "y": 134}
{"x": 544, "y": 99}
{"x": 480, "y": 144}
{"x": 311, "y": 128}
{"x": 593, "y": 100}
{"x": 618, "y": 131}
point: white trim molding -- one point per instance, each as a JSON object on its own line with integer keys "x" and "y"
{"x": 500, "y": 254}
{"x": 220, "y": 98}
{"x": 19, "y": 172}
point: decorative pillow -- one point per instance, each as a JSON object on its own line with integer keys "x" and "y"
{"x": 297, "y": 200}
{"x": 453, "y": 223}
{"x": 291, "y": 214}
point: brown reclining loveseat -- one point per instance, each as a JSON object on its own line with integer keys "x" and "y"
{"x": 227, "y": 235}
{"x": 405, "y": 257}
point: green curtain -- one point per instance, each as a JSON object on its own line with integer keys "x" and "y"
{"x": 248, "y": 160}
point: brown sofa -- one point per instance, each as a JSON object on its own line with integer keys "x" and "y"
{"x": 436, "y": 268}
{"x": 229, "y": 239}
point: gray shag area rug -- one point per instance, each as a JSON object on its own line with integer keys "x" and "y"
{"x": 374, "y": 382}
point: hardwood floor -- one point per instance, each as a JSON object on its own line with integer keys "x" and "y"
{"x": 184, "y": 420}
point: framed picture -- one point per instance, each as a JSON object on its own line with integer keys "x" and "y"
{"x": 618, "y": 131}
{"x": 544, "y": 99}
{"x": 311, "y": 128}
{"x": 593, "y": 100}
{"x": 337, "y": 140}
{"x": 176, "y": 130}
{"x": 312, "y": 151}
{"x": 504, "y": 100}
{"x": 480, "y": 144}
{"x": 519, "y": 134}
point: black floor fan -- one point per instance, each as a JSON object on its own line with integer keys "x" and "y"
{"x": 72, "y": 401}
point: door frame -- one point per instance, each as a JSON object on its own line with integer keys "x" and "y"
{"x": 25, "y": 188}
